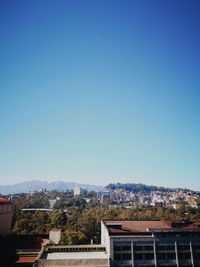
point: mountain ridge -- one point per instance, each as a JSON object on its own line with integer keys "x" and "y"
{"x": 34, "y": 185}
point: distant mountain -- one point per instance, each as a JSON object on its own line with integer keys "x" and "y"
{"x": 34, "y": 185}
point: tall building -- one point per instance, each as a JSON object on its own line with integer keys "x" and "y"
{"x": 151, "y": 243}
{"x": 6, "y": 213}
{"x": 106, "y": 194}
{"x": 78, "y": 191}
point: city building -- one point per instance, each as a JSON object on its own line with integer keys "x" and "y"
{"x": 13, "y": 197}
{"x": 52, "y": 202}
{"x": 151, "y": 243}
{"x": 106, "y": 194}
{"x": 123, "y": 243}
{"x": 6, "y": 213}
{"x": 78, "y": 191}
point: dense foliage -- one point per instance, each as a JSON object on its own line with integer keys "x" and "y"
{"x": 80, "y": 221}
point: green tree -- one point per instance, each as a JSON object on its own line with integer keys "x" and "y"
{"x": 72, "y": 237}
{"x": 58, "y": 218}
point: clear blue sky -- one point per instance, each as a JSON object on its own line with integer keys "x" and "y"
{"x": 100, "y": 91}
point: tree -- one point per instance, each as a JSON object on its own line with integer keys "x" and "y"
{"x": 58, "y": 218}
{"x": 71, "y": 237}
{"x": 22, "y": 227}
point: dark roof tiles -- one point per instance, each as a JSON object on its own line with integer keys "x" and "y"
{"x": 135, "y": 226}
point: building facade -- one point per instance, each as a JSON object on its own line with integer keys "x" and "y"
{"x": 151, "y": 243}
{"x": 6, "y": 213}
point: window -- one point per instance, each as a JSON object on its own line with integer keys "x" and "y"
{"x": 126, "y": 256}
{"x": 171, "y": 256}
{"x": 126, "y": 248}
{"x": 148, "y": 247}
{"x": 170, "y": 247}
{"x": 117, "y": 257}
{"x": 138, "y": 256}
{"x": 196, "y": 247}
{"x": 196, "y": 256}
{"x": 183, "y": 247}
{"x": 117, "y": 248}
{"x": 160, "y": 256}
{"x": 138, "y": 248}
{"x": 149, "y": 256}
{"x": 184, "y": 256}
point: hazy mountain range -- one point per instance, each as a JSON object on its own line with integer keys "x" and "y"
{"x": 33, "y": 185}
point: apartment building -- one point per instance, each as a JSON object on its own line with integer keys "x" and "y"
{"x": 151, "y": 243}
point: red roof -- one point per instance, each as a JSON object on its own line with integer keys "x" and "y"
{"x": 26, "y": 259}
{"x": 135, "y": 226}
{"x": 4, "y": 201}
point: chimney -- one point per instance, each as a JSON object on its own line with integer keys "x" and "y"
{"x": 55, "y": 236}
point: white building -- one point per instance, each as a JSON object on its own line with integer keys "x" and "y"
{"x": 78, "y": 191}
{"x": 52, "y": 202}
{"x": 151, "y": 243}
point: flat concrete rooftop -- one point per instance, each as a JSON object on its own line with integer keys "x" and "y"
{"x": 76, "y": 255}
{"x": 74, "y": 259}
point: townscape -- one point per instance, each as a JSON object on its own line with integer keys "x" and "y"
{"x": 100, "y": 130}
{"x": 116, "y": 195}
{"x": 78, "y": 213}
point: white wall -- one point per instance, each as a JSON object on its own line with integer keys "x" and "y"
{"x": 105, "y": 238}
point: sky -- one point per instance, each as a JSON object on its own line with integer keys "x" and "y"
{"x": 100, "y": 92}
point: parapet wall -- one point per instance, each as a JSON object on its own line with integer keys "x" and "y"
{"x": 74, "y": 263}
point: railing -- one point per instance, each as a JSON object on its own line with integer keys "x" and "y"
{"x": 73, "y": 248}
{"x": 28, "y": 250}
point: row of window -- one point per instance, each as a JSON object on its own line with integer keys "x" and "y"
{"x": 163, "y": 265}
{"x": 159, "y": 247}
{"x": 150, "y": 256}
{"x": 159, "y": 256}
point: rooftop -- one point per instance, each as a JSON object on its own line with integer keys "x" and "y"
{"x": 4, "y": 201}
{"x": 77, "y": 255}
{"x": 136, "y": 227}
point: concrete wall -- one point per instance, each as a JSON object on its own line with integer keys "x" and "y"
{"x": 74, "y": 262}
{"x": 105, "y": 238}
